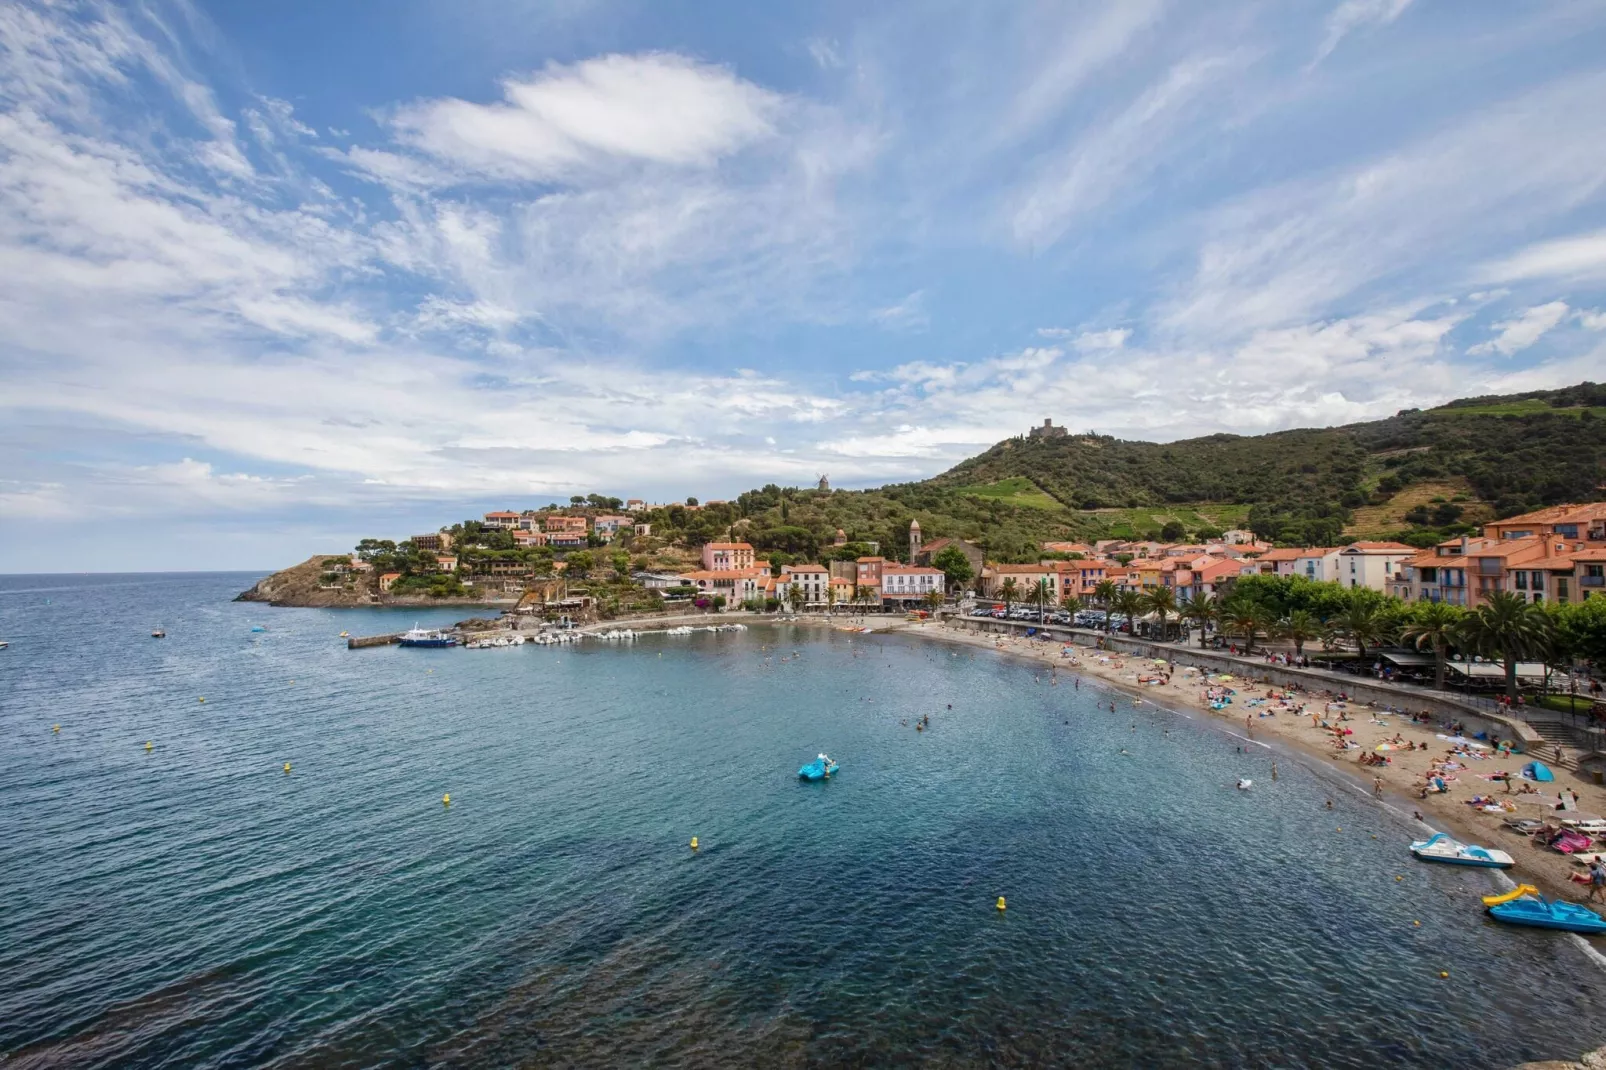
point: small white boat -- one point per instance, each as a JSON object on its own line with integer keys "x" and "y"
{"x": 1244, "y": 783}
{"x": 3, "y": 644}
{"x": 1440, "y": 847}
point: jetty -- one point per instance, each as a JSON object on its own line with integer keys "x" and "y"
{"x": 357, "y": 642}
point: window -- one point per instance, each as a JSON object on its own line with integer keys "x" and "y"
{"x": 1522, "y": 581}
{"x": 1561, "y": 589}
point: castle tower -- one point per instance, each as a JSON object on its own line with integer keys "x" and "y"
{"x": 841, "y": 538}
{"x": 914, "y": 540}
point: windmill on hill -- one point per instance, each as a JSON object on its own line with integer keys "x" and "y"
{"x": 825, "y": 482}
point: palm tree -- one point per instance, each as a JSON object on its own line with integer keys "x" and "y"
{"x": 1509, "y": 627}
{"x": 794, "y": 597}
{"x": 1162, "y": 602}
{"x": 1129, "y": 604}
{"x": 830, "y": 596}
{"x": 1007, "y": 591}
{"x": 1202, "y": 610}
{"x": 1246, "y": 617}
{"x": 1436, "y": 625}
{"x": 1104, "y": 593}
{"x": 1071, "y": 604}
{"x": 1300, "y": 627}
{"x": 1040, "y": 597}
{"x": 1361, "y": 623}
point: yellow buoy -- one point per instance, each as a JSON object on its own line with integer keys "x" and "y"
{"x": 1341, "y": 828}
{"x": 203, "y": 698}
{"x": 446, "y": 800}
{"x": 694, "y": 843}
{"x": 55, "y": 728}
{"x": 1399, "y": 878}
{"x": 147, "y": 744}
{"x": 1000, "y": 902}
{"x": 1417, "y": 924}
{"x": 286, "y": 767}
{"x": 1444, "y": 974}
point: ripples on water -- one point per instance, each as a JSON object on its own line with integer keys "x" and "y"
{"x": 194, "y": 906}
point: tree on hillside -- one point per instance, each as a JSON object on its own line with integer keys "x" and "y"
{"x": 1173, "y": 531}
{"x": 955, "y": 566}
{"x": 1203, "y": 610}
{"x": 579, "y": 564}
{"x": 620, "y": 562}
{"x": 1510, "y": 628}
{"x": 1434, "y": 626}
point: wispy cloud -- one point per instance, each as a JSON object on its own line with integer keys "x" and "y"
{"x": 1353, "y": 16}
{"x": 1523, "y": 330}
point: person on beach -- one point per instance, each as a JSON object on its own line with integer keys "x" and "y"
{"x": 1377, "y": 787}
{"x": 1597, "y": 879}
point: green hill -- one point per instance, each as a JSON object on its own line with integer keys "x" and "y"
{"x": 1445, "y": 467}
{"x": 1419, "y": 476}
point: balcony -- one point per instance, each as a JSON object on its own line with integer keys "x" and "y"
{"x": 1592, "y": 581}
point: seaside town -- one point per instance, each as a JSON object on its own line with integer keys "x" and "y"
{"x": 1447, "y": 674}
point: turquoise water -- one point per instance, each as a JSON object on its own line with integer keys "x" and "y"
{"x": 195, "y": 906}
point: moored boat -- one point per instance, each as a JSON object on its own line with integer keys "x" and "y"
{"x": 820, "y": 768}
{"x": 1525, "y": 906}
{"x": 1440, "y": 847}
{"x": 416, "y": 636}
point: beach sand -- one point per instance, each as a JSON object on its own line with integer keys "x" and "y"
{"x": 1402, "y": 779}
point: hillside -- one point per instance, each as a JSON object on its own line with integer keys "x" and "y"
{"x": 1429, "y": 470}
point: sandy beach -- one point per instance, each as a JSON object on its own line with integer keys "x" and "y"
{"x": 1273, "y": 722}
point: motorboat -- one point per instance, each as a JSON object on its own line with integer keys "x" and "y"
{"x": 1441, "y": 847}
{"x": 416, "y": 636}
{"x": 159, "y": 633}
{"x": 820, "y": 768}
{"x": 1525, "y": 906}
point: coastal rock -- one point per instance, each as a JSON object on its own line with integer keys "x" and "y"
{"x": 298, "y": 586}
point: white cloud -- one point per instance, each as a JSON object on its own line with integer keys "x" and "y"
{"x": 1523, "y": 329}
{"x": 825, "y": 52}
{"x": 1581, "y": 256}
{"x": 1353, "y": 15}
{"x": 908, "y": 314}
{"x": 1592, "y": 319}
{"x": 565, "y": 121}
{"x": 1102, "y": 341}
{"x": 1286, "y": 254}
{"x": 1113, "y": 157}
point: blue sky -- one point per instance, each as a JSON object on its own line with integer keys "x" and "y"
{"x": 282, "y": 275}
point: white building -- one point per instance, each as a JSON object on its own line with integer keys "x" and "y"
{"x": 1318, "y": 563}
{"x": 812, "y": 580}
{"x": 1372, "y": 564}
{"x": 905, "y": 583}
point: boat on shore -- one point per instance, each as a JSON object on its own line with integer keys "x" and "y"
{"x": 1441, "y": 847}
{"x": 426, "y": 637}
{"x": 820, "y": 768}
{"x": 1525, "y": 906}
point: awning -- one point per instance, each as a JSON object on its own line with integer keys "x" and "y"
{"x": 1406, "y": 658}
{"x": 1494, "y": 670}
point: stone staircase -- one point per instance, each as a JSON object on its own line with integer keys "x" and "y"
{"x": 1564, "y": 745}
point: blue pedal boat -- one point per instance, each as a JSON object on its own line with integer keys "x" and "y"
{"x": 1527, "y": 907}
{"x": 820, "y": 768}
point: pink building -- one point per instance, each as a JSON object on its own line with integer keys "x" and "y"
{"x": 727, "y": 556}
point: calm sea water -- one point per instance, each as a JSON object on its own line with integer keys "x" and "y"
{"x": 195, "y": 906}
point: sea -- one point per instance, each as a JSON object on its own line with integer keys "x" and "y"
{"x": 171, "y": 896}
